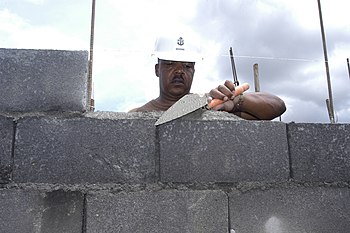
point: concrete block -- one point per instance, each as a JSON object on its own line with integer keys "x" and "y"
{"x": 223, "y": 151}
{"x": 298, "y": 209}
{"x": 320, "y": 152}
{"x": 84, "y": 149}
{"x": 33, "y": 211}
{"x": 43, "y": 80}
{"x": 161, "y": 211}
{"x": 6, "y": 137}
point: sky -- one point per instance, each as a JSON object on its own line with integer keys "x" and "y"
{"x": 282, "y": 36}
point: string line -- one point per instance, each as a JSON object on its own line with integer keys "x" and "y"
{"x": 148, "y": 52}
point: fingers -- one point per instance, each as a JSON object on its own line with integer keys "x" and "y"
{"x": 222, "y": 97}
{"x": 230, "y": 85}
{"x": 225, "y": 106}
{"x": 216, "y": 94}
{"x": 223, "y": 92}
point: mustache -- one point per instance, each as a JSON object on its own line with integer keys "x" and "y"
{"x": 178, "y": 78}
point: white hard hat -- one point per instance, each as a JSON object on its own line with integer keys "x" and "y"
{"x": 177, "y": 48}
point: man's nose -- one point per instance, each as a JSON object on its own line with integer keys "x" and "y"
{"x": 179, "y": 68}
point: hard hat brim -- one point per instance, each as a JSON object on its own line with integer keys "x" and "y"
{"x": 178, "y": 56}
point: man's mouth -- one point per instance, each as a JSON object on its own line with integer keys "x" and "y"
{"x": 178, "y": 79}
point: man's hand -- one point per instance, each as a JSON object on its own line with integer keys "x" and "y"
{"x": 229, "y": 94}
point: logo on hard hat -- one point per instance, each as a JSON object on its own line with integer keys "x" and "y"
{"x": 180, "y": 41}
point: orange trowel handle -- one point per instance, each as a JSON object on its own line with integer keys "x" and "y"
{"x": 238, "y": 90}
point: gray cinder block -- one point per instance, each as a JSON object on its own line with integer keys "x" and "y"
{"x": 33, "y": 211}
{"x": 206, "y": 150}
{"x": 293, "y": 209}
{"x": 320, "y": 152}
{"x": 162, "y": 211}
{"x": 43, "y": 80}
{"x": 6, "y": 136}
{"x": 85, "y": 150}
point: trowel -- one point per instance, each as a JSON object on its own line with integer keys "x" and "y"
{"x": 187, "y": 104}
{"x": 192, "y": 102}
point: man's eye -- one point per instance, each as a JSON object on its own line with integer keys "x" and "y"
{"x": 189, "y": 66}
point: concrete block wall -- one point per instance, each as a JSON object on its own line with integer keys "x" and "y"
{"x": 77, "y": 171}
{"x": 43, "y": 80}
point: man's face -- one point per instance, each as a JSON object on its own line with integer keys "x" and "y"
{"x": 175, "y": 78}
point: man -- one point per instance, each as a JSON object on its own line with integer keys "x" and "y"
{"x": 175, "y": 70}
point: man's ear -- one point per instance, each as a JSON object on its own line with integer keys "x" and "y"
{"x": 156, "y": 69}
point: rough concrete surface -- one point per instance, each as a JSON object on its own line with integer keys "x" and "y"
{"x": 84, "y": 150}
{"x": 37, "y": 212}
{"x": 223, "y": 151}
{"x": 320, "y": 152}
{"x": 163, "y": 211}
{"x": 43, "y": 80}
{"x": 6, "y": 137}
{"x": 291, "y": 210}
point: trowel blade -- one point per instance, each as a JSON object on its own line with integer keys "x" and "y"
{"x": 187, "y": 104}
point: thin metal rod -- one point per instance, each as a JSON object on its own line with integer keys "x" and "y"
{"x": 256, "y": 77}
{"x": 90, "y": 100}
{"x": 347, "y": 60}
{"x": 331, "y": 108}
{"x": 234, "y": 72}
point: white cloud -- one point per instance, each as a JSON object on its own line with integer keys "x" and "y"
{"x": 11, "y": 25}
{"x": 16, "y": 32}
{"x": 36, "y": 2}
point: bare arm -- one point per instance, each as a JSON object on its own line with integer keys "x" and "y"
{"x": 259, "y": 106}
{"x": 250, "y": 106}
